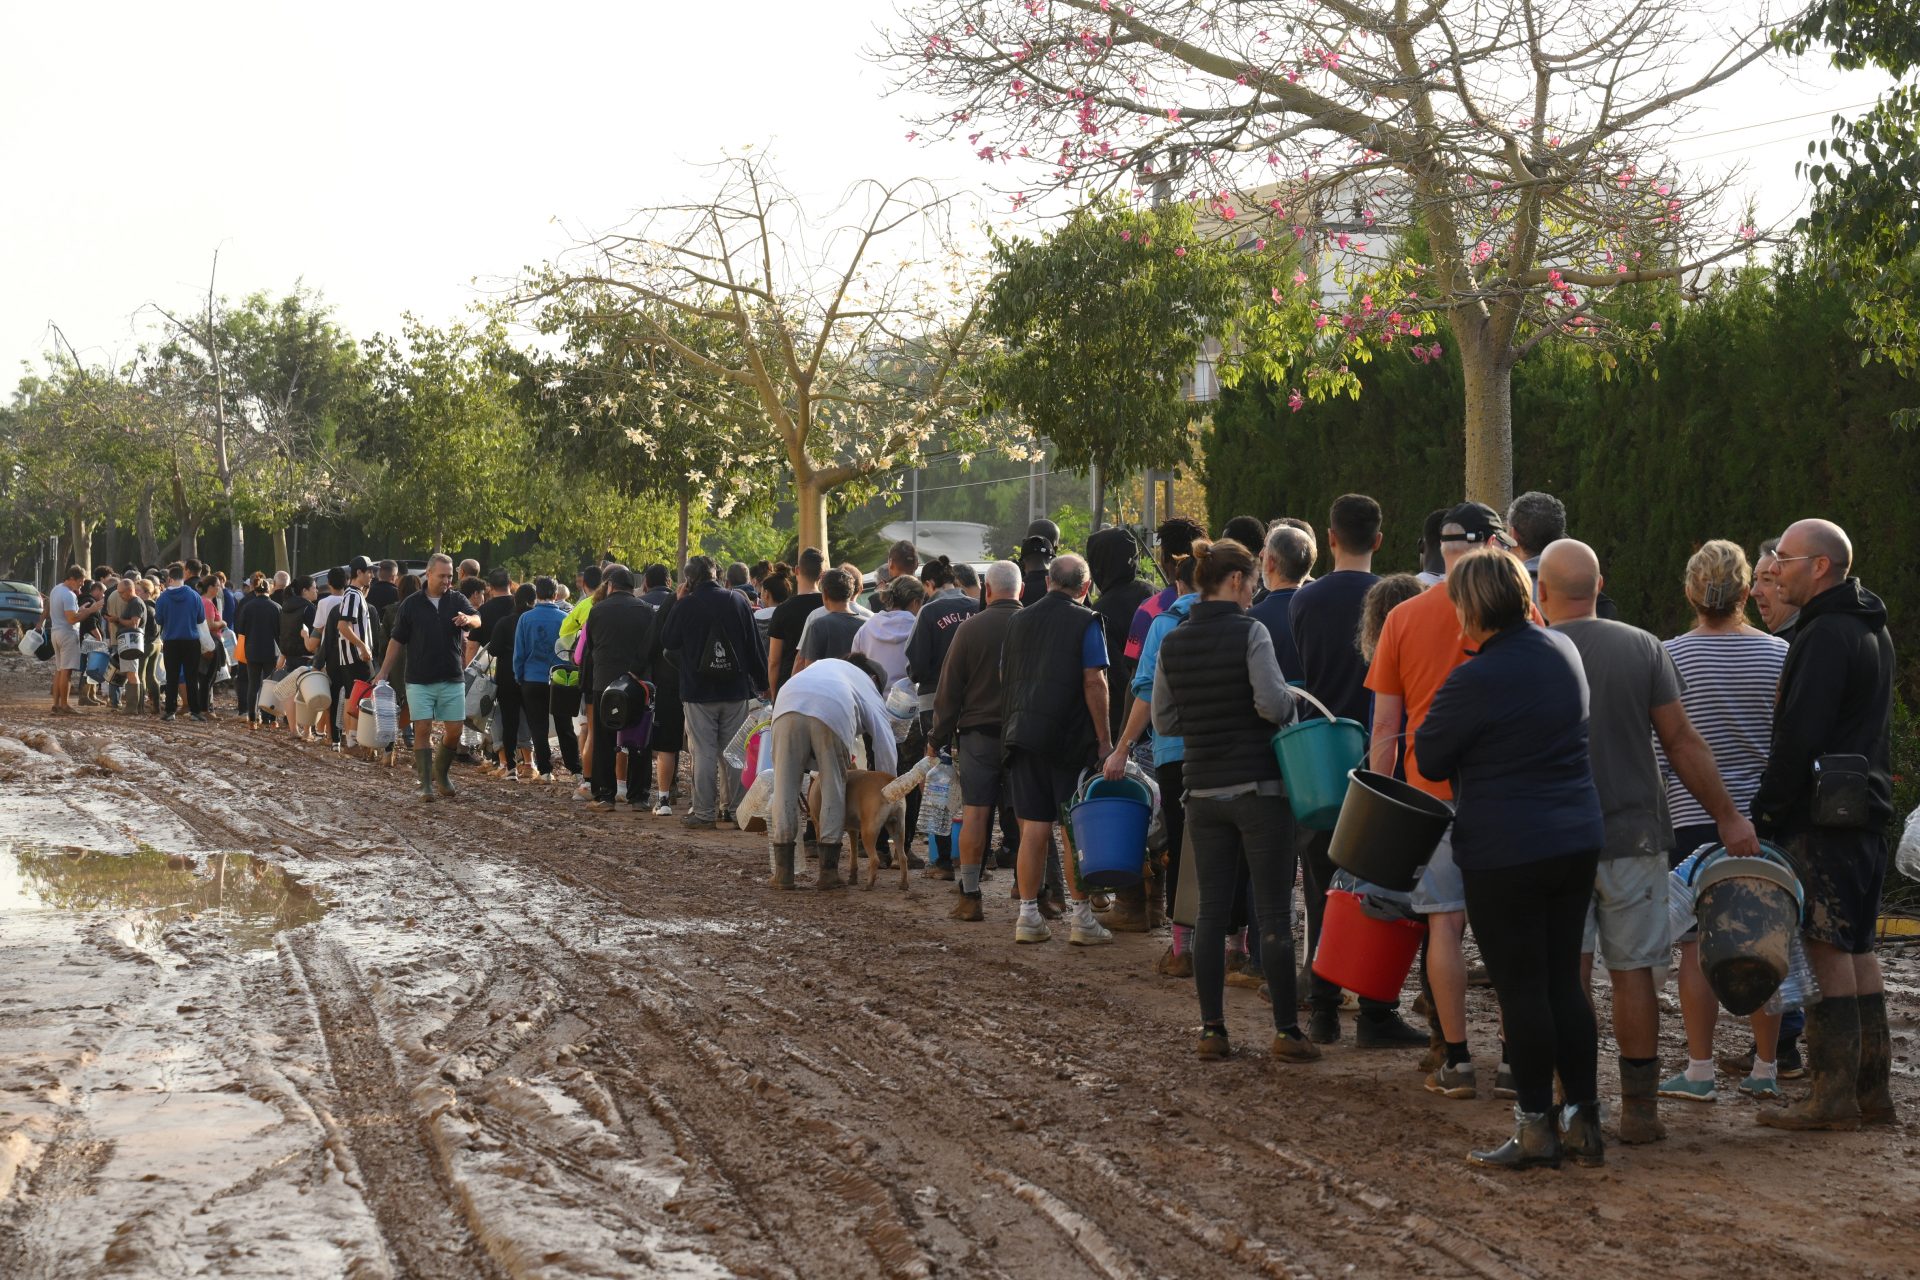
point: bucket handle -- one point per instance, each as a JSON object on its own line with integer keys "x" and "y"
{"x": 1320, "y": 706}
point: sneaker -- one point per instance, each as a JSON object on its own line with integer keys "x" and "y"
{"x": 1323, "y": 1026}
{"x": 1213, "y": 1046}
{"x": 693, "y": 822}
{"x": 1792, "y": 1066}
{"x": 663, "y": 810}
{"x": 1452, "y": 1082}
{"x": 1243, "y": 972}
{"x": 1386, "y": 1030}
{"x": 601, "y": 806}
{"x": 1503, "y": 1082}
{"x": 198, "y": 718}
{"x": 1174, "y": 966}
{"x": 1291, "y": 1046}
{"x": 620, "y": 794}
{"x": 1088, "y": 932}
{"x": 583, "y": 792}
{"x": 724, "y": 819}
{"x": 1755, "y": 1087}
{"x": 166, "y": 717}
{"x": 1032, "y": 931}
{"x": 1690, "y": 1090}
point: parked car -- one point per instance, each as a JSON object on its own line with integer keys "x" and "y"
{"x": 20, "y": 602}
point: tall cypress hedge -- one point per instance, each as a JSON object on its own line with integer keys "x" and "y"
{"x": 1753, "y": 410}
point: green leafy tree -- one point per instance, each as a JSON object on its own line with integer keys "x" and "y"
{"x": 445, "y": 448}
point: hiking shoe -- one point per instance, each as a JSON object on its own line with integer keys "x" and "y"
{"x": 1088, "y": 932}
{"x": 966, "y": 907}
{"x": 1174, "y": 966}
{"x": 1752, "y": 1086}
{"x": 1213, "y": 1046}
{"x": 1323, "y": 1026}
{"x": 1689, "y": 1090}
{"x": 1386, "y": 1030}
{"x": 1242, "y": 972}
{"x": 1293, "y": 1046}
{"x": 1452, "y": 1082}
{"x": 1503, "y": 1082}
{"x": 1032, "y": 931}
{"x": 940, "y": 871}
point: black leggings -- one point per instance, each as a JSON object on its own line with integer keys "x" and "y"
{"x": 1528, "y": 921}
{"x": 1249, "y": 835}
{"x": 546, "y": 704}
{"x": 1173, "y": 815}
{"x": 507, "y": 694}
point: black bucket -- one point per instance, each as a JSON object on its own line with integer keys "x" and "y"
{"x": 1748, "y": 910}
{"x": 1387, "y": 830}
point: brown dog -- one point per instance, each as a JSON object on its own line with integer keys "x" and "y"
{"x": 868, "y": 813}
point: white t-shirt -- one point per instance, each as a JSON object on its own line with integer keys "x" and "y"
{"x": 842, "y": 697}
{"x": 60, "y": 603}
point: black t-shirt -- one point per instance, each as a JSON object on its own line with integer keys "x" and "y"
{"x": 436, "y": 649}
{"x": 382, "y": 594}
{"x": 491, "y": 611}
{"x": 1325, "y": 619}
{"x": 789, "y": 619}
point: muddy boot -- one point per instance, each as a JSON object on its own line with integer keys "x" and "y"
{"x": 1580, "y": 1134}
{"x": 1535, "y": 1143}
{"x": 1640, "y": 1103}
{"x": 442, "y": 762}
{"x": 1871, "y": 1088}
{"x": 829, "y": 877}
{"x": 966, "y": 907}
{"x": 813, "y": 850}
{"x": 1128, "y": 914}
{"x": 423, "y": 769}
{"x": 1834, "y": 1063}
{"x": 782, "y": 877}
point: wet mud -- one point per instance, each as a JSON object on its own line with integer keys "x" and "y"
{"x": 262, "y": 1015}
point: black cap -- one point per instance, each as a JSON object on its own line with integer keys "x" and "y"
{"x": 1479, "y": 524}
{"x": 359, "y": 564}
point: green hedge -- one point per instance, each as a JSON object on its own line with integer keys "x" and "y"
{"x": 1752, "y": 411}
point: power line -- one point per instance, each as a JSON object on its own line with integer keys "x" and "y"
{"x": 1762, "y": 124}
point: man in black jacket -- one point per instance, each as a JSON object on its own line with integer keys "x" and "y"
{"x": 1826, "y": 797}
{"x": 966, "y": 716}
{"x": 1053, "y": 718}
{"x": 711, "y": 631}
{"x": 620, "y": 635}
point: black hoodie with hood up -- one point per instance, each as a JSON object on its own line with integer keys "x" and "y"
{"x": 1113, "y": 560}
{"x": 1835, "y": 698}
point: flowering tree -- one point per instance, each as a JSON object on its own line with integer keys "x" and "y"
{"x": 1520, "y": 142}
{"x": 845, "y": 343}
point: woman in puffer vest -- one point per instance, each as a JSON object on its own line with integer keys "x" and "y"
{"x": 1218, "y": 687}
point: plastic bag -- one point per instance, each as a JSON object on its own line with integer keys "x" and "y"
{"x": 1381, "y": 904}
{"x": 1907, "y": 858}
{"x": 759, "y": 716}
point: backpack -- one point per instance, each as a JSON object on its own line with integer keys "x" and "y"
{"x": 716, "y": 657}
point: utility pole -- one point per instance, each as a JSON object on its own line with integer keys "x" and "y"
{"x": 915, "y": 536}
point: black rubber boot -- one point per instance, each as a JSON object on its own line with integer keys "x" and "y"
{"x": 1535, "y": 1144}
{"x": 782, "y": 877}
{"x": 1871, "y": 1089}
{"x": 1833, "y": 1060}
{"x": 1580, "y": 1134}
{"x": 829, "y": 877}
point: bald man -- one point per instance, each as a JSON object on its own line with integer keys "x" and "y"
{"x": 1825, "y": 798}
{"x": 1635, "y": 688}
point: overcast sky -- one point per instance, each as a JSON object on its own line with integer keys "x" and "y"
{"x": 389, "y": 153}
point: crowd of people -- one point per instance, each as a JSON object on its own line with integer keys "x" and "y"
{"x": 1585, "y": 760}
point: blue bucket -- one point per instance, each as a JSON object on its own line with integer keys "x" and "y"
{"x": 1110, "y": 832}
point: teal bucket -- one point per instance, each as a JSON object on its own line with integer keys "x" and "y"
{"x": 1110, "y": 832}
{"x": 1315, "y": 756}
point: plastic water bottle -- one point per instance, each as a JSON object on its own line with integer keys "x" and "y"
{"x": 934, "y": 818}
{"x": 386, "y": 715}
{"x": 1800, "y": 990}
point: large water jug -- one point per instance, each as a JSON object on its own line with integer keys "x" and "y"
{"x": 386, "y": 715}
{"x": 935, "y": 819}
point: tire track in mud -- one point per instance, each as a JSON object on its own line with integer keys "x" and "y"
{"x": 65, "y": 1170}
{"x": 425, "y": 1232}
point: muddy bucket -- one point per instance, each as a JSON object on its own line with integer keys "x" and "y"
{"x": 1387, "y": 830}
{"x": 1749, "y": 910}
{"x": 1315, "y": 756}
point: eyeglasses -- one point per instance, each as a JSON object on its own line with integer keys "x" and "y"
{"x": 1779, "y": 559}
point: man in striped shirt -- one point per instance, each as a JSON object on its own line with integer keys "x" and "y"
{"x": 349, "y": 643}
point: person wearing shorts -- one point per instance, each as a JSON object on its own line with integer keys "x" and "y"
{"x": 65, "y": 612}
{"x": 431, "y": 626}
{"x": 1826, "y": 797}
{"x": 1636, "y": 691}
{"x": 966, "y": 718}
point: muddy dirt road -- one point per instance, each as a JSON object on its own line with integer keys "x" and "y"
{"x": 262, "y": 1016}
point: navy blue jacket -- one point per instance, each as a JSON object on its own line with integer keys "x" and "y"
{"x": 707, "y": 612}
{"x": 1509, "y": 730}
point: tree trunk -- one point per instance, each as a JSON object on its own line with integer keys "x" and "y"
{"x": 282, "y": 562}
{"x": 1097, "y": 497}
{"x": 811, "y": 500}
{"x": 143, "y": 524}
{"x": 686, "y": 502}
{"x": 1489, "y": 403}
{"x": 79, "y": 543}
{"x": 110, "y": 543}
{"x": 236, "y": 546}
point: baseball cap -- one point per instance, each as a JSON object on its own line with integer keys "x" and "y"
{"x": 1479, "y": 524}
{"x": 359, "y": 564}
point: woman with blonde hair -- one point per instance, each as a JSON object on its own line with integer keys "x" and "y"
{"x": 1731, "y": 671}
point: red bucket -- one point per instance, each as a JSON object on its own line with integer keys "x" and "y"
{"x": 1363, "y": 955}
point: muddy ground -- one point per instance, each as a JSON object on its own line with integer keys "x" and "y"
{"x": 261, "y": 1015}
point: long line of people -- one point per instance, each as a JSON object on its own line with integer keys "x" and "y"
{"x": 1589, "y": 765}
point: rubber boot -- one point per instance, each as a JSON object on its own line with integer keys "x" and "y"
{"x": 423, "y": 769}
{"x": 813, "y": 850}
{"x": 782, "y": 877}
{"x": 443, "y": 761}
{"x": 1535, "y": 1144}
{"x": 1833, "y": 1063}
{"x": 829, "y": 877}
{"x": 1580, "y": 1134}
{"x": 1640, "y": 1103}
{"x": 1128, "y": 914}
{"x": 1871, "y": 1089}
